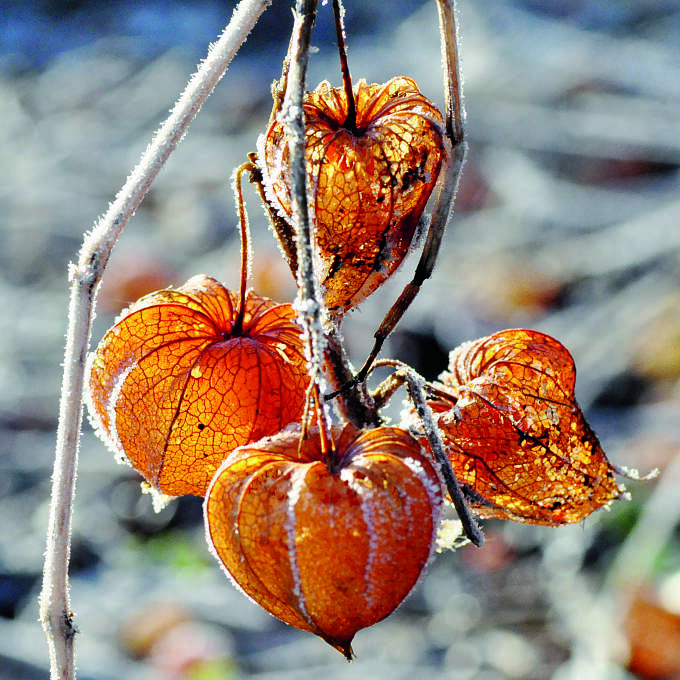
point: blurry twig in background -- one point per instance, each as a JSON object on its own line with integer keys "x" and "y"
{"x": 598, "y": 642}
{"x": 660, "y": 515}
{"x": 55, "y": 609}
{"x": 525, "y": 250}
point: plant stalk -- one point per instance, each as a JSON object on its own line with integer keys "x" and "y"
{"x": 351, "y": 119}
{"x": 55, "y": 608}
{"x": 415, "y": 384}
{"x": 310, "y": 309}
{"x": 244, "y": 229}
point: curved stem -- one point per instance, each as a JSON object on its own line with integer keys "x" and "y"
{"x": 244, "y": 228}
{"x": 325, "y": 432}
{"x": 351, "y": 120}
{"x": 416, "y": 385}
{"x": 415, "y": 389}
{"x": 55, "y": 608}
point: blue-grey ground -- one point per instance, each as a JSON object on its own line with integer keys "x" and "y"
{"x": 568, "y": 222}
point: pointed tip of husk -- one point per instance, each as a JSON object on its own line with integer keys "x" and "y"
{"x": 342, "y": 646}
{"x": 345, "y": 648}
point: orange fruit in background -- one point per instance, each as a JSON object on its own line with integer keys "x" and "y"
{"x": 172, "y": 389}
{"x": 131, "y": 275}
{"x": 515, "y": 434}
{"x": 369, "y": 182}
{"x": 329, "y": 551}
{"x": 653, "y": 635}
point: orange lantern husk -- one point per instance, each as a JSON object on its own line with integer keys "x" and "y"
{"x": 516, "y": 436}
{"x": 173, "y": 388}
{"x": 329, "y": 547}
{"x": 368, "y": 184}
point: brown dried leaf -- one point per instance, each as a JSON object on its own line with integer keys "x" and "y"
{"x": 515, "y": 434}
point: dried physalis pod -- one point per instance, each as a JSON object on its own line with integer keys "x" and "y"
{"x": 515, "y": 434}
{"x": 329, "y": 548}
{"x": 177, "y": 383}
{"x": 370, "y": 175}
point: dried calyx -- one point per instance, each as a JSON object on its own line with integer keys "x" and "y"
{"x": 326, "y": 552}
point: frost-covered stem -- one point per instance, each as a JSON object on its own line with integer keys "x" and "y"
{"x": 352, "y": 400}
{"x": 309, "y": 306}
{"x": 386, "y": 389}
{"x": 415, "y": 384}
{"x": 453, "y": 82}
{"x": 293, "y": 116}
{"x": 55, "y": 609}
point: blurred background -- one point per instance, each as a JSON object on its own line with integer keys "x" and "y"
{"x": 568, "y": 221}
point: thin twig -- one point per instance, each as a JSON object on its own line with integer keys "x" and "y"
{"x": 339, "y": 15}
{"x": 292, "y": 114}
{"x": 453, "y": 83}
{"x": 309, "y": 306}
{"x": 415, "y": 384}
{"x": 244, "y": 228}
{"x": 55, "y": 609}
{"x": 443, "y": 210}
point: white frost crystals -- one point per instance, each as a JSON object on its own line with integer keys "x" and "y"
{"x": 108, "y": 434}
